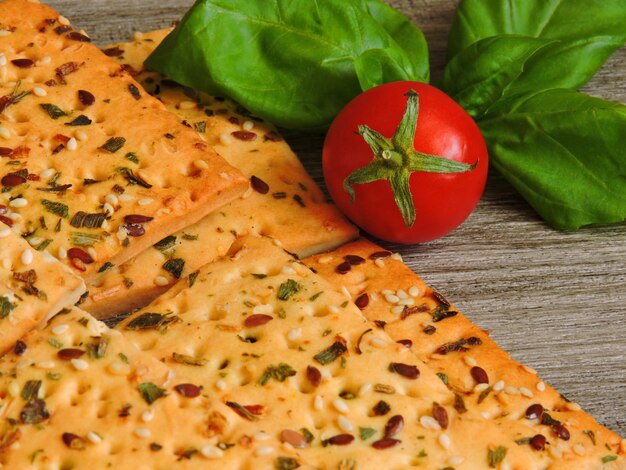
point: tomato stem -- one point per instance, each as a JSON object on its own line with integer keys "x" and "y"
{"x": 395, "y": 159}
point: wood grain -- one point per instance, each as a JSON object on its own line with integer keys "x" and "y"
{"x": 556, "y": 301}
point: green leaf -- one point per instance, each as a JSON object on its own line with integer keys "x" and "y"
{"x": 609, "y": 458}
{"x": 494, "y": 457}
{"x": 296, "y": 63}
{"x": 587, "y": 33}
{"x": 57, "y": 208}
{"x": 564, "y": 152}
{"x": 6, "y": 307}
{"x": 366, "y": 433}
{"x": 287, "y": 289}
{"x": 150, "y": 392}
{"x": 480, "y": 75}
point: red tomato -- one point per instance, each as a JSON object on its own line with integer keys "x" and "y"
{"x": 442, "y": 201}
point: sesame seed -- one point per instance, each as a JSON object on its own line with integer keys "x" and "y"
{"x": 60, "y": 329}
{"x": 555, "y": 452}
{"x": 4, "y": 232}
{"x": 45, "y": 60}
{"x": 396, "y": 256}
{"x": 211, "y": 452}
{"x": 294, "y": 334}
{"x": 288, "y": 270}
{"x": 147, "y": 416}
{"x": 261, "y": 436}
{"x": 318, "y": 402}
{"x": 72, "y": 144}
{"x": 137, "y": 35}
{"x": 126, "y": 197}
{"x": 541, "y": 386}
{"x": 398, "y": 309}
{"x": 262, "y": 309}
{"x": 92, "y": 252}
{"x": 18, "y": 202}
{"x": 225, "y": 139}
{"x": 62, "y": 253}
{"x": 365, "y": 389}
{"x": 47, "y": 173}
{"x": 391, "y": 298}
{"x": 526, "y": 392}
{"x": 108, "y": 208}
{"x": 111, "y": 199}
{"x": 379, "y": 262}
{"x": 511, "y": 390}
{"x": 94, "y": 437}
{"x": 573, "y": 406}
{"x": 3, "y": 58}
{"x": 81, "y": 135}
{"x": 119, "y": 368}
{"x": 63, "y": 20}
{"x": 386, "y": 292}
{"x": 325, "y": 259}
{"x": 374, "y": 297}
{"x": 340, "y": 405}
{"x": 265, "y": 450}
{"x": 529, "y": 370}
{"x": 456, "y": 460}
{"x": 220, "y": 385}
{"x": 146, "y": 201}
{"x": 498, "y": 386}
{"x": 121, "y": 234}
{"x": 27, "y": 256}
{"x": 14, "y": 388}
{"x": 414, "y": 291}
{"x": 407, "y": 302}
{"x": 346, "y": 292}
{"x": 333, "y": 309}
{"x": 470, "y": 361}
{"x": 161, "y": 281}
{"x": 429, "y": 422}
{"x": 80, "y": 364}
{"x": 46, "y": 364}
{"x": 481, "y": 387}
{"x": 402, "y": 294}
{"x": 376, "y": 341}
{"x": 345, "y": 424}
{"x": 444, "y": 440}
{"x": 38, "y": 91}
{"x": 6, "y": 263}
{"x": 187, "y": 104}
{"x": 142, "y": 432}
{"x": 201, "y": 164}
{"x": 579, "y": 449}
{"x": 248, "y": 125}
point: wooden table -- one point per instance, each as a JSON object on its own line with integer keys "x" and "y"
{"x": 556, "y": 301}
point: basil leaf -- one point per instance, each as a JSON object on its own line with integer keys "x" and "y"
{"x": 295, "y": 63}
{"x": 587, "y": 33}
{"x": 480, "y": 75}
{"x": 564, "y": 152}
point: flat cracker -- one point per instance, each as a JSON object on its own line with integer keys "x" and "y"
{"x": 209, "y": 320}
{"x": 394, "y": 297}
{"x": 287, "y": 204}
{"x": 33, "y": 287}
{"x": 92, "y": 166}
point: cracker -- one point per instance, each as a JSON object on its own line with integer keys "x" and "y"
{"x": 78, "y": 397}
{"x": 89, "y": 162}
{"x": 33, "y": 287}
{"x": 394, "y": 297}
{"x": 206, "y": 333}
{"x": 286, "y": 204}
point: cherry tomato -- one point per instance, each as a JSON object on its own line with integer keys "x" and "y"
{"x": 437, "y": 168}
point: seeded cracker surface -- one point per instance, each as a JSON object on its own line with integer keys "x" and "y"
{"x": 91, "y": 166}
{"x": 482, "y": 375}
{"x": 33, "y": 287}
{"x": 284, "y": 202}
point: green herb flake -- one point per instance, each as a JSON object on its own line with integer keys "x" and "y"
{"x": 174, "y": 267}
{"x": 105, "y": 267}
{"x": 200, "y": 126}
{"x": 287, "y": 289}
{"x": 279, "y": 373}
{"x": 6, "y": 307}
{"x": 308, "y": 435}
{"x": 315, "y": 296}
{"x": 443, "y": 377}
{"x": 84, "y": 239}
{"x": 123, "y": 357}
{"x": 494, "y": 457}
{"x": 286, "y": 463}
{"x": 366, "y": 433}
{"x": 56, "y": 208}
{"x": 188, "y": 360}
{"x": 30, "y": 390}
{"x": 193, "y": 277}
{"x": 53, "y": 110}
{"x": 80, "y": 120}
{"x": 331, "y": 353}
{"x": 591, "y": 435}
{"x": 53, "y": 376}
{"x": 113, "y": 144}
{"x": 523, "y": 441}
{"x": 259, "y": 275}
{"x": 608, "y": 458}
{"x": 190, "y": 237}
{"x": 132, "y": 156}
{"x": 82, "y": 219}
{"x": 43, "y": 245}
{"x": 55, "y": 343}
{"x": 166, "y": 244}
{"x": 34, "y": 412}
{"x": 151, "y": 321}
{"x": 150, "y": 392}
{"x": 242, "y": 411}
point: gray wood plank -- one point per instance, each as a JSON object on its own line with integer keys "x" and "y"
{"x": 556, "y": 301}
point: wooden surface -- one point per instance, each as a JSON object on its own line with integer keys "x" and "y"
{"x": 556, "y": 301}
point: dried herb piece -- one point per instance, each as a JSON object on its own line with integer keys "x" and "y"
{"x": 6, "y": 307}
{"x": 113, "y": 144}
{"x": 459, "y": 404}
{"x": 591, "y": 435}
{"x": 105, "y": 267}
{"x": 82, "y": 219}
{"x": 34, "y": 412}
{"x": 56, "y": 188}
{"x": 80, "y": 120}
{"x": 53, "y": 110}
{"x": 366, "y": 433}
{"x": 150, "y": 392}
{"x": 287, "y": 289}
{"x": 30, "y": 390}
{"x": 132, "y": 178}
{"x": 608, "y": 458}
{"x": 286, "y": 463}
{"x": 279, "y": 373}
{"x": 188, "y": 360}
{"x": 242, "y": 411}
{"x": 331, "y": 353}
{"x": 441, "y": 312}
{"x": 134, "y": 91}
{"x": 56, "y": 208}
{"x": 84, "y": 239}
{"x": 86, "y": 98}
{"x": 151, "y": 321}
{"x": 14, "y": 97}
{"x": 494, "y": 457}
{"x": 174, "y": 267}
{"x": 484, "y": 394}
{"x": 405, "y": 370}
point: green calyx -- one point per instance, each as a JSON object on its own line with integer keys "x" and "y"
{"x": 395, "y": 159}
